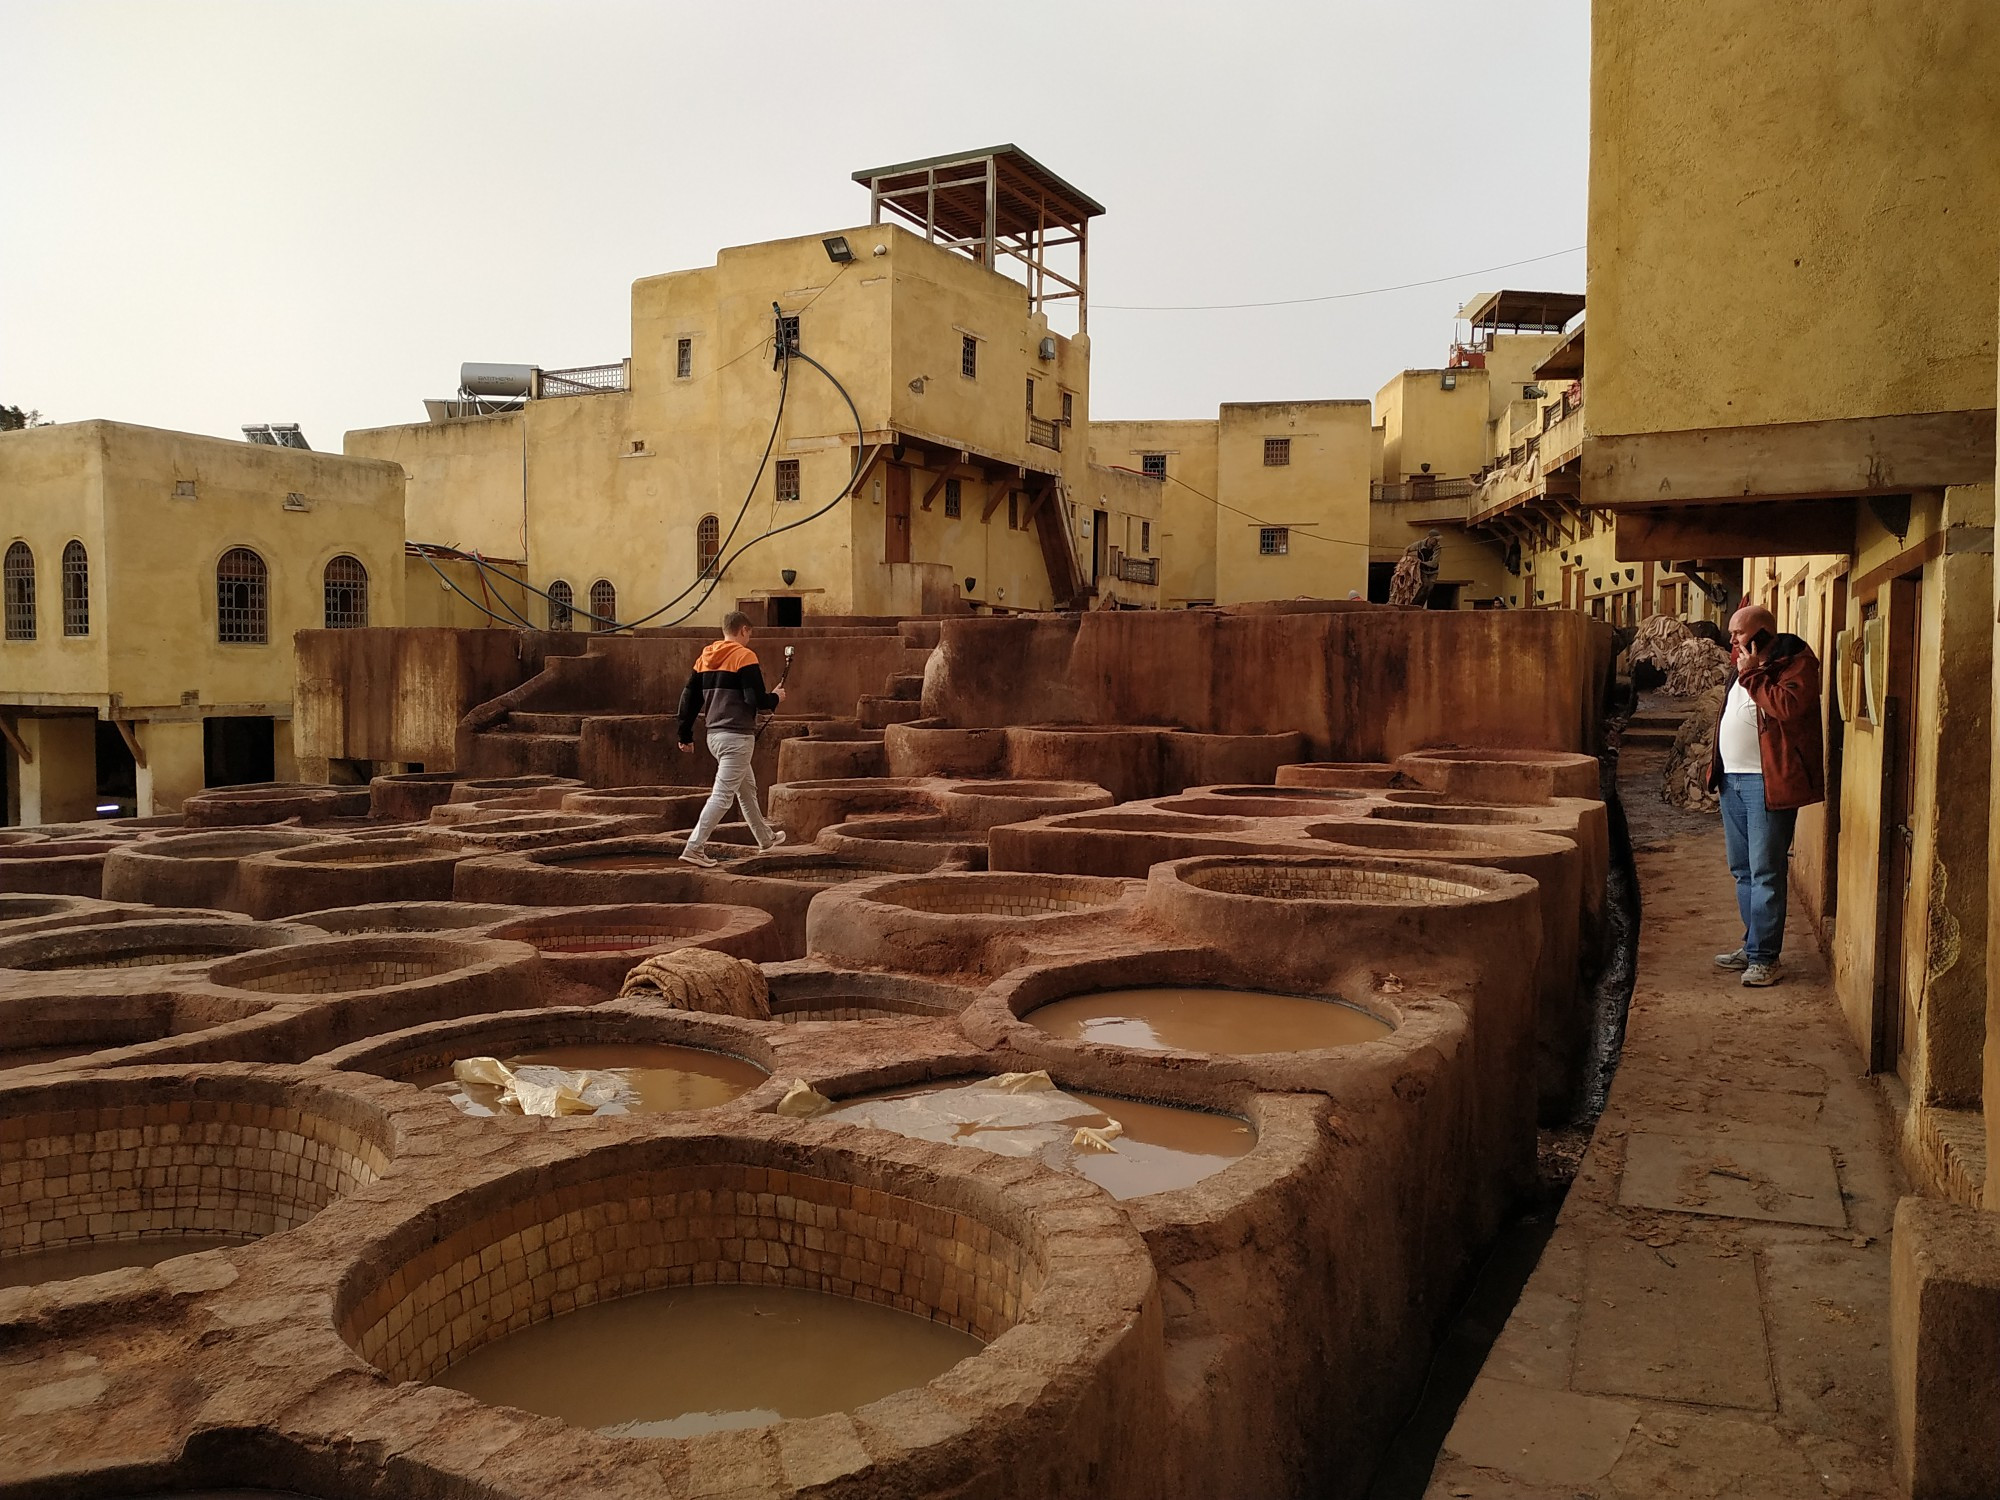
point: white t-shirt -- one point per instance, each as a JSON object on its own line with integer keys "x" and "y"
{"x": 1737, "y": 737}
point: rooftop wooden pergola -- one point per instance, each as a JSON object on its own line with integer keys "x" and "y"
{"x": 1520, "y": 312}
{"x": 991, "y": 203}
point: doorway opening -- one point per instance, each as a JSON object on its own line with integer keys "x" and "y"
{"x": 786, "y": 609}
{"x": 238, "y": 751}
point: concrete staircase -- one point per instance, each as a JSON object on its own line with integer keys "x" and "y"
{"x": 530, "y": 744}
{"x": 1653, "y": 727}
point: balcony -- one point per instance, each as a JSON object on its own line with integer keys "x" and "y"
{"x": 1422, "y": 489}
{"x": 584, "y": 380}
{"x": 1045, "y": 434}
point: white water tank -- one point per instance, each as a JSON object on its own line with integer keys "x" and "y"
{"x": 496, "y": 380}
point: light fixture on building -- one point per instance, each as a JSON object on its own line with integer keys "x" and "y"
{"x": 1541, "y": 594}
{"x": 971, "y": 584}
{"x": 1597, "y": 583}
{"x": 1048, "y": 347}
{"x": 790, "y": 575}
{"x": 1513, "y": 598}
{"x": 1630, "y": 574}
{"x": 1564, "y": 556}
{"x": 1425, "y": 467}
{"x": 837, "y": 249}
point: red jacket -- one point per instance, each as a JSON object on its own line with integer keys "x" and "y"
{"x": 1785, "y": 688}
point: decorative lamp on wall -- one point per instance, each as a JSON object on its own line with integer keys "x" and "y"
{"x": 1630, "y": 574}
{"x": 1564, "y": 556}
{"x": 837, "y": 249}
{"x": 790, "y": 575}
{"x": 971, "y": 584}
{"x": 1597, "y": 583}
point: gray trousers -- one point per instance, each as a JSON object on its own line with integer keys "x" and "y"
{"x": 734, "y": 782}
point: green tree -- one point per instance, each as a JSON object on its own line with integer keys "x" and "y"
{"x": 13, "y": 419}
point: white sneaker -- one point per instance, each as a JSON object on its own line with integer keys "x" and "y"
{"x": 777, "y": 838}
{"x": 694, "y": 856}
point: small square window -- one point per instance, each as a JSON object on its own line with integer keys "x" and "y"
{"x": 1153, "y": 465}
{"x": 954, "y": 499}
{"x": 1145, "y": 538}
{"x": 1274, "y": 541}
{"x": 1031, "y": 395}
{"x": 1013, "y": 510}
{"x": 1448, "y": 381}
{"x": 184, "y": 489}
{"x": 788, "y": 335}
{"x": 788, "y": 479}
{"x": 1277, "y": 452}
{"x": 684, "y": 359}
{"x": 968, "y": 357}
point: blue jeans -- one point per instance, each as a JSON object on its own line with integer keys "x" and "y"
{"x": 1759, "y": 842}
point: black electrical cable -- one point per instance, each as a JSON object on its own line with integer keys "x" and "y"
{"x": 424, "y": 553}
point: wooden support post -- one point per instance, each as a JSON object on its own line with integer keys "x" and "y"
{"x": 14, "y": 742}
{"x": 1001, "y": 490}
{"x": 131, "y": 738}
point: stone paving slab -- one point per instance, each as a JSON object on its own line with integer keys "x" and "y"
{"x": 1631, "y": 1342}
{"x": 1785, "y": 1182}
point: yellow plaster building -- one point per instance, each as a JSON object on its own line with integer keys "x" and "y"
{"x": 1268, "y": 501}
{"x": 150, "y": 584}
{"x": 925, "y": 434}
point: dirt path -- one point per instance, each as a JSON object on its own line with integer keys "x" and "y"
{"x": 1711, "y": 1316}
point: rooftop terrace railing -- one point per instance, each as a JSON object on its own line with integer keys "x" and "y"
{"x": 583, "y": 380}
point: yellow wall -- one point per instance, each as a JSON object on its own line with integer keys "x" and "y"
{"x": 1188, "y": 516}
{"x": 1423, "y": 423}
{"x": 1321, "y": 495}
{"x": 1709, "y": 231}
{"x": 153, "y": 556}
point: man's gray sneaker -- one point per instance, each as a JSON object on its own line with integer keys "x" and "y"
{"x": 777, "y": 838}
{"x": 1737, "y": 960}
{"x": 693, "y": 856}
{"x": 1758, "y": 976}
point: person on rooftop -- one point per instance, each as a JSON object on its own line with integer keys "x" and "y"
{"x": 727, "y": 687}
{"x": 1769, "y": 761}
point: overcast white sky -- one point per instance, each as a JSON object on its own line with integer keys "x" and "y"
{"x": 219, "y": 213}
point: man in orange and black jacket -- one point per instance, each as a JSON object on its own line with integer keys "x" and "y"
{"x": 727, "y": 686}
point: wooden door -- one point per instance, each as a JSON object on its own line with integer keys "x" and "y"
{"x": 1895, "y": 1023}
{"x": 1100, "y": 526}
{"x": 896, "y": 516}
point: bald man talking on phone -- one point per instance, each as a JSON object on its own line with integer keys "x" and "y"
{"x": 1769, "y": 761}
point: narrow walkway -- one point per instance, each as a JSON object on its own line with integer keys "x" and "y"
{"x": 1711, "y": 1317}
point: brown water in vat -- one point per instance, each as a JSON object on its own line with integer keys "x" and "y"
{"x": 662, "y": 1076}
{"x": 1247, "y": 1023}
{"x": 625, "y": 862}
{"x": 684, "y": 1360}
{"x": 1161, "y": 1147}
{"x": 69, "y": 1261}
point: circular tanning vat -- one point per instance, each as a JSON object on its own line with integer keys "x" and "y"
{"x": 670, "y": 806}
{"x": 803, "y": 808}
{"x": 805, "y": 991}
{"x": 1350, "y": 775}
{"x": 193, "y": 869}
{"x": 407, "y": 916}
{"x": 977, "y": 924}
{"x": 764, "y": 1271}
{"x": 273, "y": 802}
{"x": 672, "y": 1061}
{"x": 112, "y": 1030}
{"x": 550, "y": 789}
{"x": 343, "y": 872}
{"x": 12, "y": 836}
{"x": 981, "y": 805}
{"x": 931, "y": 747}
{"x": 409, "y": 796}
{"x": 529, "y": 830}
{"x": 36, "y": 913}
{"x": 1207, "y": 1019}
{"x": 1463, "y": 814}
{"x": 909, "y": 841}
{"x": 1131, "y": 1148}
{"x": 135, "y": 1167}
{"x": 142, "y": 944}
{"x": 647, "y": 868}
{"x": 1504, "y": 775}
{"x": 55, "y": 867}
{"x": 830, "y": 751}
{"x": 1271, "y": 802}
{"x": 588, "y": 950}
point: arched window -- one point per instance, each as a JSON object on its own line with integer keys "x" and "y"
{"x": 707, "y": 545}
{"x": 603, "y": 604}
{"x": 560, "y": 599}
{"x": 76, "y": 590}
{"x": 346, "y": 593}
{"x": 242, "y": 598}
{"x": 17, "y": 577}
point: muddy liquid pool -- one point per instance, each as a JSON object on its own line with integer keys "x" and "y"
{"x": 111, "y": 1255}
{"x": 684, "y": 1360}
{"x": 1239, "y": 1022}
{"x": 662, "y": 1077}
{"x": 1161, "y": 1147}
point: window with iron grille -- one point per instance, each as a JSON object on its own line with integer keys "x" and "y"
{"x": 684, "y": 359}
{"x": 707, "y": 545}
{"x": 346, "y": 583}
{"x": 1031, "y": 395}
{"x": 1068, "y": 408}
{"x": 603, "y": 604}
{"x": 561, "y": 597}
{"x": 1274, "y": 541}
{"x": 17, "y": 576}
{"x": 954, "y": 499}
{"x": 76, "y": 590}
{"x": 242, "y": 598}
{"x": 1277, "y": 452}
{"x": 968, "y": 356}
{"x": 1013, "y": 510}
{"x": 1146, "y": 538}
{"x": 788, "y": 479}
{"x": 1153, "y": 465}
{"x": 788, "y": 330}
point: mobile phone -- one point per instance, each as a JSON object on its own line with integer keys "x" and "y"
{"x": 1760, "y": 640}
